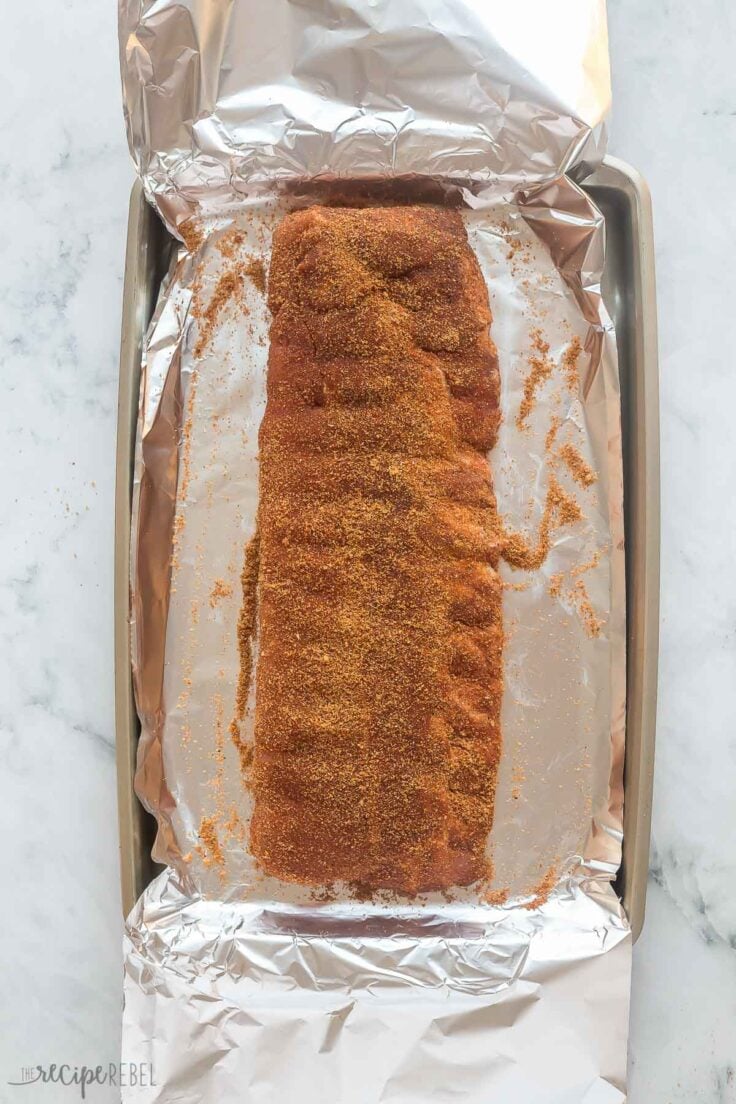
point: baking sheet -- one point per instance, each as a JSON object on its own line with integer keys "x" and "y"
{"x": 629, "y": 292}
{"x": 564, "y": 699}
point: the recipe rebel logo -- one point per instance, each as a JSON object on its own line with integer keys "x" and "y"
{"x": 120, "y": 1075}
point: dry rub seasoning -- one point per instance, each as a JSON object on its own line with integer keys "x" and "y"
{"x": 380, "y": 641}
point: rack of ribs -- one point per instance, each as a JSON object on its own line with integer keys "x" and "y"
{"x": 379, "y": 672}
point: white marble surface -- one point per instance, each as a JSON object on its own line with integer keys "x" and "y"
{"x": 65, "y": 178}
{"x": 675, "y": 119}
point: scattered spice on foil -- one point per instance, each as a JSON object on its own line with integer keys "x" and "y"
{"x": 220, "y": 589}
{"x": 580, "y": 470}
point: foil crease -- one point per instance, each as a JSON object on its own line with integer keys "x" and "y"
{"x": 238, "y": 988}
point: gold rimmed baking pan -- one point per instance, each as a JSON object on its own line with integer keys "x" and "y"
{"x": 629, "y": 293}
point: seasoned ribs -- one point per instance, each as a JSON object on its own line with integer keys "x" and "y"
{"x": 378, "y": 684}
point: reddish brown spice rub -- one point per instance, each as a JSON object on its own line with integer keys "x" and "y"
{"x": 379, "y": 678}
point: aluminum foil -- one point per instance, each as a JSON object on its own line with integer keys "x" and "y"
{"x": 224, "y": 97}
{"x": 231, "y": 1002}
{"x": 240, "y": 987}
